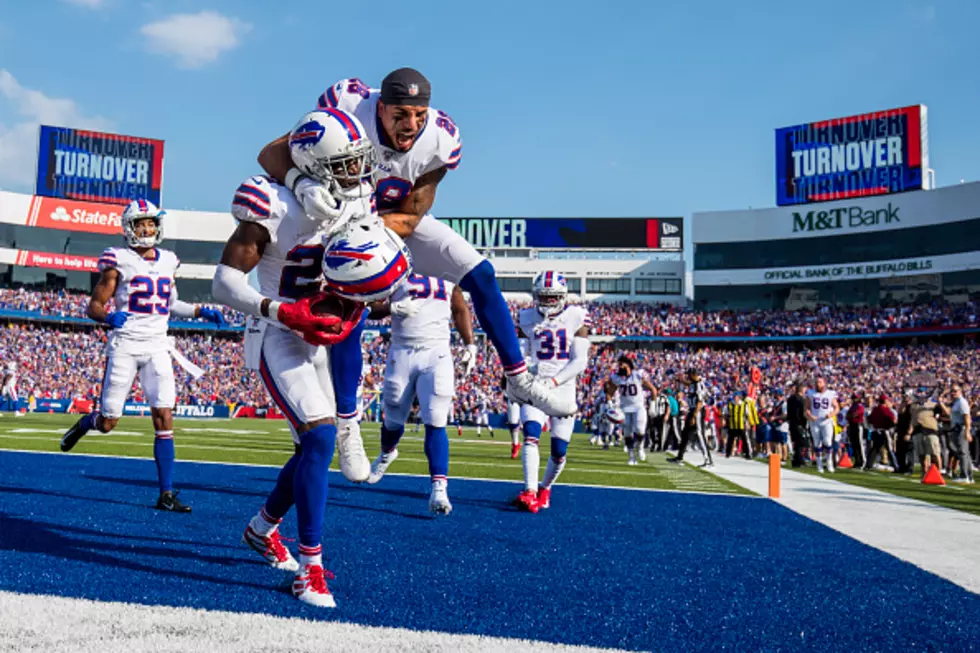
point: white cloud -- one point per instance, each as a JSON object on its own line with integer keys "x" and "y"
{"x": 88, "y": 4}
{"x": 194, "y": 39}
{"x": 18, "y": 142}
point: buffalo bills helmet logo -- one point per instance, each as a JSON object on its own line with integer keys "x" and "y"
{"x": 307, "y": 135}
{"x": 341, "y": 253}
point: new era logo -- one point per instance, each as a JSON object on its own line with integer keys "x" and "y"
{"x": 669, "y": 228}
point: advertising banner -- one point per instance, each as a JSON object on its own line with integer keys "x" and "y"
{"x": 658, "y": 234}
{"x": 868, "y": 154}
{"x": 99, "y": 167}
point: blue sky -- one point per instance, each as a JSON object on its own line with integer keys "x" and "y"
{"x": 566, "y": 108}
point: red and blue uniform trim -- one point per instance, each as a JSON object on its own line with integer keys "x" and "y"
{"x": 353, "y": 133}
{"x": 454, "y": 158}
{"x": 328, "y": 100}
{"x": 277, "y": 396}
{"x": 394, "y": 271}
{"x": 252, "y": 198}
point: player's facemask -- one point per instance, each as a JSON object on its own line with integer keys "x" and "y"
{"x": 351, "y": 175}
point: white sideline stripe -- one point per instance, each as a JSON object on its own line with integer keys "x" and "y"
{"x": 426, "y": 476}
{"x": 68, "y": 625}
{"x": 939, "y": 540}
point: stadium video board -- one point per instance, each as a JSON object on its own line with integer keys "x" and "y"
{"x": 655, "y": 234}
{"x": 868, "y": 154}
{"x": 98, "y": 167}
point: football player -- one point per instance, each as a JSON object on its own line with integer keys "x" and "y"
{"x": 610, "y": 414}
{"x": 286, "y": 341}
{"x": 559, "y": 341}
{"x": 821, "y": 408}
{"x": 632, "y": 385}
{"x": 482, "y": 405}
{"x": 420, "y": 368}
{"x": 9, "y": 387}
{"x": 417, "y": 145}
{"x": 140, "y": 279}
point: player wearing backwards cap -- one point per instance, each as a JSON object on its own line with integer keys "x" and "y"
{"x": 141, "y": 280}
{"x": 417, "y": 145}
{"x": 420, "y": 367}
{"x": 559, "y": 339}
{"x": 286, "y": 341}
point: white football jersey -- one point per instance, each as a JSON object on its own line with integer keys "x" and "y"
{"x": 438, "y": 145}
{"x": 145, "y": 290}
{"x": 291, "y": 265}
{"x": 551, "y": 337}
{"x": 430, "y": 323}
{"x": 631, "y": 390}
{"x": 822, "y": 403}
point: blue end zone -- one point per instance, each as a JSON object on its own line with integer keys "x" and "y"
{"x": 608, "y": 568}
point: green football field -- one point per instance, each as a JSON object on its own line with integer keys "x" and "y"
{"x": 268, "y": 442}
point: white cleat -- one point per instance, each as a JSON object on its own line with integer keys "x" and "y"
{"x": 381, "y": 464}
{"x": 439, "y": 499}
{"x": 541, "y": 394}
{"x": 643, "y": 455}
{"x": 354, "y": 462}
{"x": 271, "y": 548}
{"x": 632, "y": 459}
{"x": 310, "y": 586}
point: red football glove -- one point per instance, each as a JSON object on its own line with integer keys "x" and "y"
{"x": 298, "y": 317}
{"x": 352, "y": 316}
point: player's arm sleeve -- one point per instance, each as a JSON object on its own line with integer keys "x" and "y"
{"x": 179, "y": 308}
{"x": 450, "y": 149}
{"x": 578, "y": 356}
{"x": 345, "y": 95}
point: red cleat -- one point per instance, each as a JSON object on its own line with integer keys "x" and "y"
{"x": 544, "y": 498}
{"x": 514, "y": 450}
{"x": 527, "y": 501}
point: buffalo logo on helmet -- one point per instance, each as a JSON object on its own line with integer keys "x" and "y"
{"x": 342, "y": 253}
{"x": 307, "y": 135}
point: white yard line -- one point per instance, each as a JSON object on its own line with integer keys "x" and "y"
{"x": 940, "y": 540}
{"x": 51, "y": 623}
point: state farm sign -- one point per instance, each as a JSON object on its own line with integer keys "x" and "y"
{"x": 55, "y": 213}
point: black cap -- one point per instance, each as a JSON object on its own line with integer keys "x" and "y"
{"x": 406, "y": 86}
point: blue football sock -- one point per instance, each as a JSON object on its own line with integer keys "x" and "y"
{"x": 163, "y": 454}
{"x": 437, "y": 451}
{"x": 310, "y": 483}
{"x": 346, "y": 362}
{"x": 390, "y": 436}
{"x": 494, "y": 315}
{"x": 87, "y": 423}
{"x": 281, "y": 498}
{"x": 559, "y": 448}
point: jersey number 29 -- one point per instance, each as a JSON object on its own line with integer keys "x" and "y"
{"x": 144, "y": 292}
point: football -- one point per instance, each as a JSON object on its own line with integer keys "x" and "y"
{"x": 328, "y": 305}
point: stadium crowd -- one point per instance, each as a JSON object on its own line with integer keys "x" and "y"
{"x": 59, "y": 362}
{"x": 641, "y": 318}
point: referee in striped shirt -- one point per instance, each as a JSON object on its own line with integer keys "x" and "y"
{"x": 659, "y": 416}
{"x": 697, "y": 397}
